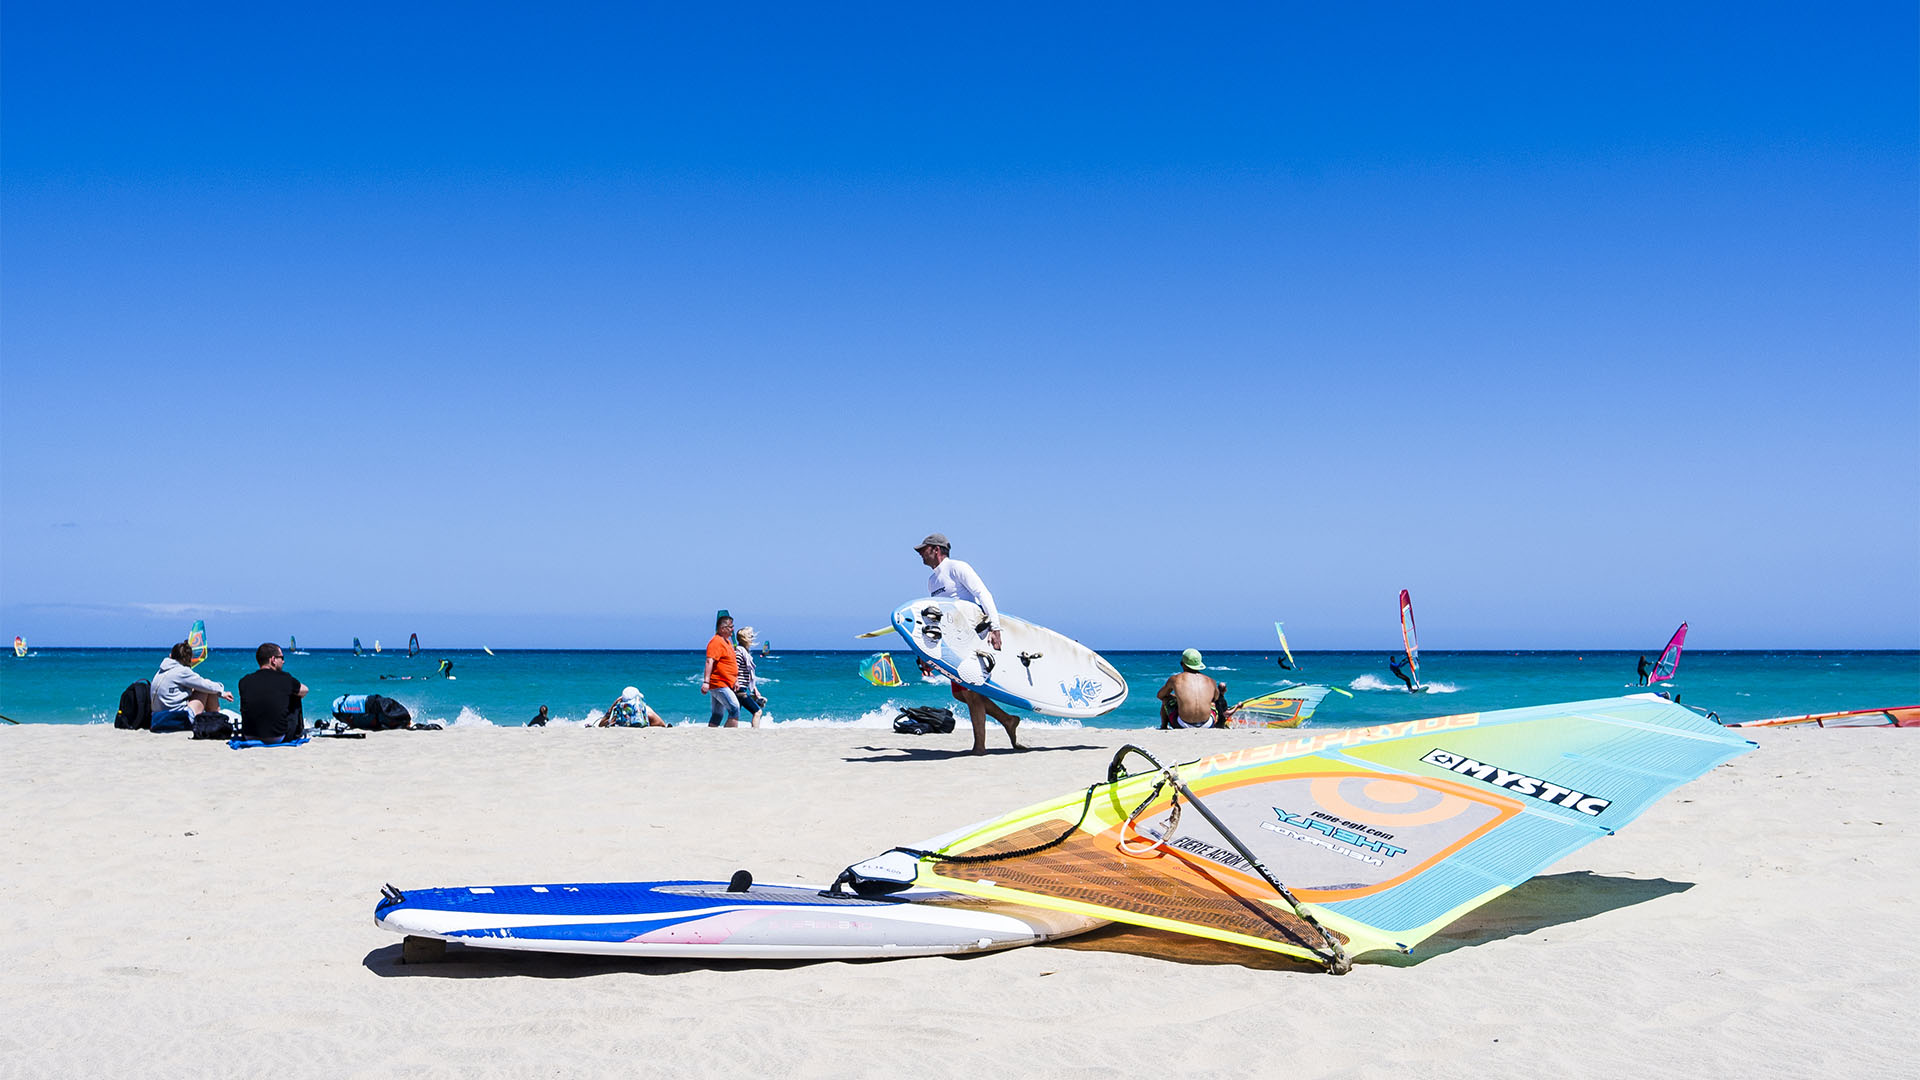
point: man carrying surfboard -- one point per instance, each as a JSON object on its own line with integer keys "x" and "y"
{"x": 952, "y": 578}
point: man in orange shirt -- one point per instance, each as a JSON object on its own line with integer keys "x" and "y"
{"x": 721, "y": 672}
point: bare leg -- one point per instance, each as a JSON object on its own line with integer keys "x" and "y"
{"x": 977, "y": 712}
{"x": 203, "y": 700}
{"x": 1007, "y": 720}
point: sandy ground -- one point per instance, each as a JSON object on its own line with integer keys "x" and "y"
{"x": 174, "y": 908}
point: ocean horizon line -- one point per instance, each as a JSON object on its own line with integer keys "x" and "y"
{"x": 1173, "y": 649}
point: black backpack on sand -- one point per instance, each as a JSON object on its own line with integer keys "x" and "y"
{"x": 136, "y": 707}
{"x": 924, "y": 720}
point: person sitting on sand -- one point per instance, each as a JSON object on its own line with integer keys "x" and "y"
{"x": 957, "y": 580}
{"x": 179, "y": 694}
{"x": 1189, "y": 699}
{"x": 270, "y": 699}
{"x": 630, "y": 709}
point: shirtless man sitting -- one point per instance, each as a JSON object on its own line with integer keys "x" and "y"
{"x": 1189, "y": 699}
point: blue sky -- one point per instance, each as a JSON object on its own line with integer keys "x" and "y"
{"x": 564, "y": 328}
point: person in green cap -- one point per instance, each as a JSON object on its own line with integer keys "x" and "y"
{"x": 1189, "y": 699}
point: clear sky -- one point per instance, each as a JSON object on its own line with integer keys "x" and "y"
{"x": 564, "y": 325}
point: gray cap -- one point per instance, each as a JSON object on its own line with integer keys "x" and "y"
{"x": 938, "y": 540}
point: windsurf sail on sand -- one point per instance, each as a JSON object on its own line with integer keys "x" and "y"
{"x": 1286, "y": 708}
{"x": 197, "y": 642}
{"x": 879, "y": 670}
{"x": 1897, "y": 716}
{"x": 19, "y": 645}
{"x": 1669, "y": 657}
{"x": 1332, "y": 845}
{"x": 413, "y": 645}
{"x": 1410, "y": 637}
{"x": 1284, "y": 651}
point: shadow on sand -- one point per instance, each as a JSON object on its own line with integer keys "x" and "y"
{"x": 1553, "y": 900}
{"x": 465, "y": 962}
{"x": 916, "y": 753}
{"x": 1543, "y": 902}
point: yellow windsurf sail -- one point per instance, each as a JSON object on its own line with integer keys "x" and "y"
{"x": 1287, "y": 708}
{"x": 197, "y": 642}
{"x": 1336, "y": 844}
{"x": 1280, "y": 629}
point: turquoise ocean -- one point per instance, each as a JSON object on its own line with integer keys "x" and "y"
{"x": 813, "y": 689}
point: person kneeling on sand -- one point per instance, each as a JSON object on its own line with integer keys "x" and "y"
{"x": 179, "y": 694}
{"x": 1189, "y": 699}
{"x": 630, "y": 709}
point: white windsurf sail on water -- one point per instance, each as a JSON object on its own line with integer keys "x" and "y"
{"x": 1281, "y": 629}
{"x": 1410, "y": 637}
{"x": 1669, "y": 657}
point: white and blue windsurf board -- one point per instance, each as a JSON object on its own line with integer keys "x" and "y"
{"x": 1034, "y": 669}
{"x": 711, "y": 920}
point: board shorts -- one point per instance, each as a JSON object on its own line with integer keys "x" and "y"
{"x": 723, "y": 700}
{"x": 180, "y": 719}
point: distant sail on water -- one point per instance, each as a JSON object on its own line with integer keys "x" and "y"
{"x": 197, "y": 642}
{"x": 356, "y": 646}
{"x": 19, "y": 645}
{"x": 1669, "y": 657}
{"x": 1412, "y": 638}
{"x": 1280, "y": 629}
{"x": 879, "y": 670}
{"x": 413, "y": 644}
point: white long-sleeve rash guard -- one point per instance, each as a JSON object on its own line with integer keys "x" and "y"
{"x": 957, "y": 579}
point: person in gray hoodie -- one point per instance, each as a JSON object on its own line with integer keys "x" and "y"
{"x": 179, "y": 695}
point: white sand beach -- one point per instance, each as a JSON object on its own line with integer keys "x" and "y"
{"x": 175, "y": 908}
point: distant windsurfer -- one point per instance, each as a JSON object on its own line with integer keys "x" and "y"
{"x": 1644, "y": 668}
{"x": 952, "y": 578}
{"x": 1396, "y": 665}
{"x": 1284, "y": 662}
{"x": 446, "y": 668}
{"x": 1189, "y": 699}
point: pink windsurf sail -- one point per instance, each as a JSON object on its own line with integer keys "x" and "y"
{"x": 1412, "y": 638}
{"x": 1669, "y": 657}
